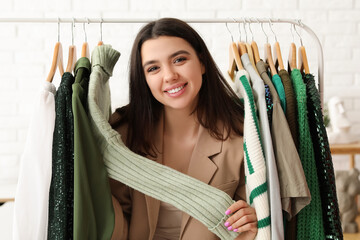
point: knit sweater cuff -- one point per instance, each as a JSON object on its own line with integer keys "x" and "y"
{"x": 105, "y": 57}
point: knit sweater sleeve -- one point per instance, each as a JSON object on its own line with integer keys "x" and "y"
{"x": 201, "y": 201}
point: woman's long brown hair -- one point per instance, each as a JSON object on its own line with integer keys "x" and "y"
{"x": 217, "y": 102}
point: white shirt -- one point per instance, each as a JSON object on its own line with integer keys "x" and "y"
{"x": 32, "y": 193}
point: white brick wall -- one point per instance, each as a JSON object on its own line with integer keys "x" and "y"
{"x": 26, "y": 49}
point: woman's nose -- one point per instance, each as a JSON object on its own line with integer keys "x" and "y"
{"x": 170, "y": 74}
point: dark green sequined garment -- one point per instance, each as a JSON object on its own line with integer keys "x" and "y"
{"x": 62, "y": 180}
{"x": 325, "y": 169}
{"x": 269, "y": 103}
{"x": 309, "y": 219}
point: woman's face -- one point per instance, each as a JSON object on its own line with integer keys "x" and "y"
{"x": 173, "y": 71}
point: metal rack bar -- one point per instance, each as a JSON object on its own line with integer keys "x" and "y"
{"x": 204, "y": 20}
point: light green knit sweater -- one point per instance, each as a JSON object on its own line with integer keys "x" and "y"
{"x": 201, "y": 201}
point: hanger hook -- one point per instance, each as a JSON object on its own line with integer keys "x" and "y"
{"x": 301, "y": 42}
{"x": 270, "y": 25}
{"x": 262, "y": 27}
{"x": 72, "y": 31}
{"x": 252, "y": 35}
{"x": 244, "y": 23}
{"x": 238, "y": 28}
{"x": 58, "y": 29}
{"x": 232, "y": 38}
{"x": 101, "y": 22}
{"x": 292, "y": 31}
{"x": 85, "y": 29}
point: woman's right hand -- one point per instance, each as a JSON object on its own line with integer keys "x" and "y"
{"x": 243, "y": 220}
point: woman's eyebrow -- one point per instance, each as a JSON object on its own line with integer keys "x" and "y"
{"x": 171, "y": 56}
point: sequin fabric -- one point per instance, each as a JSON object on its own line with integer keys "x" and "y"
{"x": 324, "y": 164}
{"x": 62, "y": 181}
{"x": 309, "y": 219}
{"x": 269, "y": 103}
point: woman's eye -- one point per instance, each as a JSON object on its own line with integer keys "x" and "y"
{"x": 151, "y": 69}
{"x": 179, "y": 59}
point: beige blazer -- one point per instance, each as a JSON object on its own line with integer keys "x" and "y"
{"x": 218, "y": 163}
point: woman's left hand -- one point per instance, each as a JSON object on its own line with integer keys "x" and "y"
{"x": 243, "y": 220}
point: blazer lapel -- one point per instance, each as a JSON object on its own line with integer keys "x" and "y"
{"x": 201, "y": 166}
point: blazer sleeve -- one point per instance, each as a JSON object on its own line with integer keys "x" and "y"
{"x": 122, "y": 207}
{"x": 240, "y": 193}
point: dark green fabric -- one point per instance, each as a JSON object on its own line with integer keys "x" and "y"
{"x": 324, "y": 164}
{"x": 276, "y": 80}
{"x": 269, "y": 104}
{"x": 62, "y": 180}
{"x": 309, "y": 219}
{"x": 290, "y": 112}
{"x": 93, "y": 211}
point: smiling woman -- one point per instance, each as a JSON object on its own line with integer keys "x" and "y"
{"x": 174, "y": 76}
{"x": 184, "y": 115}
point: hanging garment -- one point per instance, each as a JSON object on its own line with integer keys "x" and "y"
{"x": 201, "y": 201}
{"x": 235, "y": 85}
{"x": 277, "y": 226}
{"x": 309, "y": 220}
{"x": 32, "y": 192}
{"x": 255, "y": 169}
{"x": 269, "y": 104}
{"x": 291, "y": 117}
{"x": 294, "y": 191}
{"x": 93, "y": 210}
{"x": 290, "y": 104}
{"x": 324, "y": 165}
{"x": 276, "y": 80}
{"x": 61, "y": 195}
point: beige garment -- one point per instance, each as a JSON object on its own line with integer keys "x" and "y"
{"x": 294, "y": 191}
{"x": 217, "y": 163}
{"x": 169, "y": 223}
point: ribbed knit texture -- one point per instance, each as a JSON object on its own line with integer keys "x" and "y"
{"x": 291, "y": 109}
{"x": 201, "y": 201}
{"x": 280, "y": 90}
{"x": 255, "y": 169}
{"x": 309, "y": 220}
{"x": 324, "y": 164}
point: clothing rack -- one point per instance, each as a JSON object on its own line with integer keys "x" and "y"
{"x": 296, "y": 22}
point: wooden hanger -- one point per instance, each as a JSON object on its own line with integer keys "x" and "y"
{"x": 303, "y": 62}
{"x": 277, "y": 56}
{"x": 292, "y": 56}
{"x": 71, "y": 59}
{"x": 242, "y": 48}
{"x": 234, "y": 60}
{"x": 85, "y": 50}
{"x": 251, "y": 57}
{"x": 255, "y": 50}
{"x": 56, "y": 62}
{"x": 269, "y": 59}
